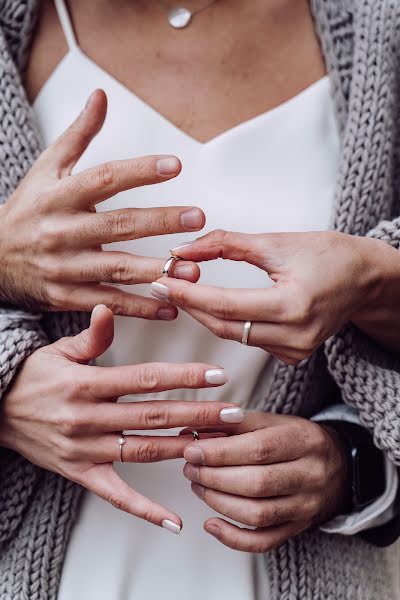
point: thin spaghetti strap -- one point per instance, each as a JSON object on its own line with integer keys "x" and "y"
{"x": 66, "y": 24}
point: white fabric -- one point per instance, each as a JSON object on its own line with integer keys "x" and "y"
{"x": 275, "y": 172}
{"x": 380, "y": 511}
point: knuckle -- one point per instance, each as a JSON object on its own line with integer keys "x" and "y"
{"x": 148, "y": 452}
{"x": 117, "y": 501}
{"x": 258, "y": 485}
{"x": 50, "y": 236}
{"x": 121, "y": 272}
{"x": 70, "y": 423}
{"x": 261, "y": 450}
{"x": 67, "y": 450}
{"x": 149, "y": 378}
{"x": 259, "y": 517}
{"x": 154, "y": 417}
{"x": 222, "y": 309}
{"x": 204, "y": 416}
{"x": 123, "y": 222}
{"x": 221, "y": 329}
{"x": 106, "y": 175}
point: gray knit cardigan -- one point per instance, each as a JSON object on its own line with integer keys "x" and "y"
{"x": 361, "y": 42}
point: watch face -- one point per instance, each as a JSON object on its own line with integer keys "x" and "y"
{"x": 368, "y": 475}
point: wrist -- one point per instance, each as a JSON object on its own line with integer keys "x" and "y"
{"x": 340, "y": 496}
{"x": 379, "y": 272}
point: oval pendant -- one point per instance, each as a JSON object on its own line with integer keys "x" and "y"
{"x": 179, "y": 17}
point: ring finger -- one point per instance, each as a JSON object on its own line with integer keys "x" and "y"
{"x": 124, "y": 268}
{"x": 137, "y": 448}
{"x": 261, "y": 333}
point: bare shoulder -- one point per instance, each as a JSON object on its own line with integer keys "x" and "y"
{"x": 48, "y": 48}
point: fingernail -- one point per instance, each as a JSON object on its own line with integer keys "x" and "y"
{"x": 167, "y": 314}
{"x": 191, "y": 472}
{"x": 175, "y": 251}
{"x": 192, "y": 219}
{"x": 231, "y": 415}
{"x": 171, "y": 526}
{"x": 183, "y": 271}
{"x": 216, "y": 376}
{"x": 96, "y": 309}
{"x": 198, "y": 490}
{"x": 195, "y": 455}
{"x": 159, "y": 291}
{"x": 213, "y": 530}
{"x": 168, "y": 165}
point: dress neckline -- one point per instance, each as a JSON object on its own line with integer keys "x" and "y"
{"x": 77, "y": 52}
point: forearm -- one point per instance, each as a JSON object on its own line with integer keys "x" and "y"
{"x": 379, "y": 318}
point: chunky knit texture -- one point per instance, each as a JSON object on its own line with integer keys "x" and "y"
{"x": 361, "y": 42}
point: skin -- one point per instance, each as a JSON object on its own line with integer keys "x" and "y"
{"x": 322, "y": 281}
{"x": 249, "y": 58}
{"x": 77, "y": 436}
{"x": 276, "y": 473}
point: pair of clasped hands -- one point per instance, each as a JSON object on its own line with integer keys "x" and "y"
{"x": 274, "y": 475}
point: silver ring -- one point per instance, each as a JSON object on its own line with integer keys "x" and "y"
{"x": 121, "y": 441}
{"x": 246, "y": 332}
{"x": 168, "y": 265}
{"x": 195, "y": 436}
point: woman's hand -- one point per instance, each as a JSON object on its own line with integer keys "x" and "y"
{"x": 51, "y": 236}
{"x": 279, "y": 474}
{"x": 322, "y": 281}
{"x": 61, "y": 414}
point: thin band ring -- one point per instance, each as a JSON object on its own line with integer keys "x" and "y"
{"x": 170, "y": 262}
{"x": 195, "y": 436}
{"x": 121, "y": 441}
{"x": 246, "y": 333}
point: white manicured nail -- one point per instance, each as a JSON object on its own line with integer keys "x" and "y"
{"x": 174, "y": 251}
{"x": 216, "y": 376}
{"x": 159, "y": 291}
{"x": 171, "y": 526}
{"x": 231, "y": 415}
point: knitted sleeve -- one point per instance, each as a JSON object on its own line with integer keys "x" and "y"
{"x": 367, "y": 374}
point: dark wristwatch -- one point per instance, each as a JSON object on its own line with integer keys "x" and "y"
{"x": 366, "y": 463}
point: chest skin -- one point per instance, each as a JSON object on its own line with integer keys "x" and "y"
{"x": 236, "y": 60}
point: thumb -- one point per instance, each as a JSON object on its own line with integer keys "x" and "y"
{"x": 65, "y": 152}
{"x": 91, "y": 342}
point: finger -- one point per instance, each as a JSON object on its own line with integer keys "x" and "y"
{"x": 250, "y": 481}
{"x": 227, "y": 245}
{"x": 137, "y": 449}
{"x": 262, "y": 447}
{"x": 91, "y": 342}
{"x": 261, "y": 333}
{"x": 224, "y": 303}
{"x": 122, "y": 268}
{"x": 249, "y": 540}
{"x": 85, "y": 297}
{"x": 63, "y": 154}
{"x": 134, "y": 223}
{"x": 249, "y": 511}
{"x": 98, "y": 183}
{"x": 103, "y": 481}
{"x": 154, "y": 377}
{"x": 92, "y": 418}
